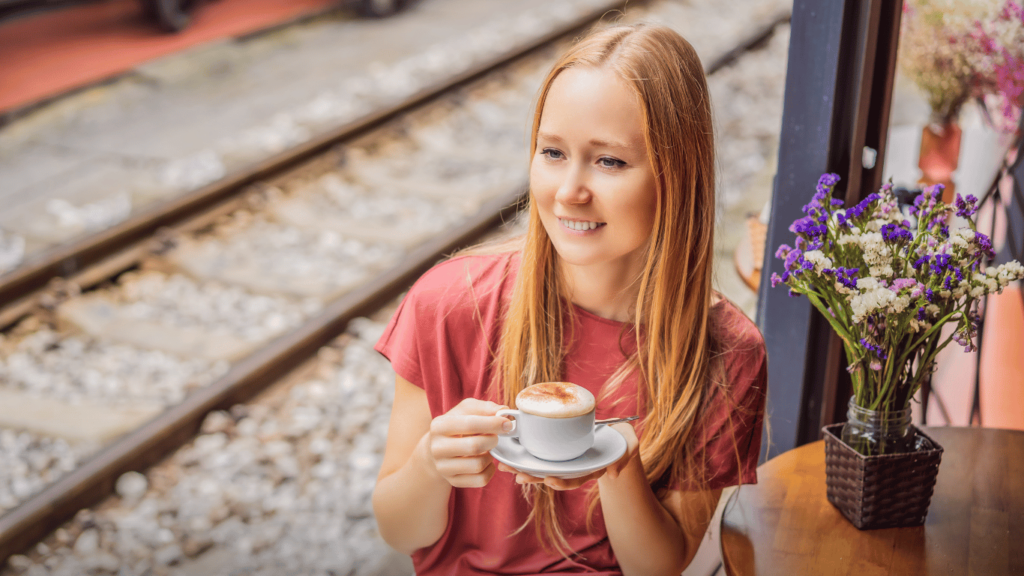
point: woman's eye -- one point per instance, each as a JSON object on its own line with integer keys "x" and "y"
{"x": 551, "y": 153}
{"x": 610, "y": 162}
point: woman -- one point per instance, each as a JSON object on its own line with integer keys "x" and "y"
{"x": 609, "y": 289}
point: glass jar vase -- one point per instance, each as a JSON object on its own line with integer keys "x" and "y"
{"x": 875, "y": 432}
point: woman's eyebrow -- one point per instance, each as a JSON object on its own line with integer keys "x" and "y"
{"x": 594, "y": 142}
{"x": 608, "y": 144}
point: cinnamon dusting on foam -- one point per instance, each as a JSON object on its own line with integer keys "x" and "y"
{"x": 556, "y": 400}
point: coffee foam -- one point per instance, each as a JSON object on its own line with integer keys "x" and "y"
{"x": 556, "y": 400}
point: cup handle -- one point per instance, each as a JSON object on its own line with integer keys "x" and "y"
{"x": 515, "y": 422}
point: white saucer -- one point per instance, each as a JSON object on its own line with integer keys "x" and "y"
{"x": 608, "y": 447}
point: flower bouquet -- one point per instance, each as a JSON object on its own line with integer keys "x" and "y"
{"x": 888, "y": 283}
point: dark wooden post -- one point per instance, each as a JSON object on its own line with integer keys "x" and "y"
{"x": 842, "y": 59}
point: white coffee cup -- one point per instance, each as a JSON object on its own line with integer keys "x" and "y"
{"x": 555, "y": 420}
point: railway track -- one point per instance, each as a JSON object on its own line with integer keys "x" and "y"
{"x": 251, "y": 280}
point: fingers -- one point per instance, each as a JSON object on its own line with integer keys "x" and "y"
{"x": 560, "y": 484}
{"x": 451, "y": 467}
{"x": 459, "y": 442}
{"x": 465, "y": 425}
{"x": 571, "y": 483}
{"x": 472, "y": 406}
{"x": 455, "y": 447}
{"x": 478, "y": 480}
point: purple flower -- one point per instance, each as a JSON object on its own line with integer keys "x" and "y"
{"x": 808, "y": 226}
{"x": 966, "y": 207}
{"x": 862, "y": 206}
{"x": 959, "y": 274}
{"x": 921, "y": 261}
{"x": 776, "y": 279}
{"x": 985, "y": 243}
{"x": 929, "y": 295}
{"x": 792, "y": 257}
{"x": 941, "y": 263}
{"x": 874, "y": 349}
{"x": 828, "y": 179}
{"x": 894, "y": 233}
{"x": 847, "y": 277}
{"x": 920, "y": 313}
{"x": 782, "y": 251}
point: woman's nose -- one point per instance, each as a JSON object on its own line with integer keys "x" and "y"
{"x": 573, "y": 189}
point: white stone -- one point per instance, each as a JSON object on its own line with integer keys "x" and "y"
{"x": 167, "y": 555}
{"x": 88, "y": 542}
{"x": 131, "y": 485}
{"x": 104, "y": 561}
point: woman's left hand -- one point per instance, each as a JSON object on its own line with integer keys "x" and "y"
{"x": 612, "y": 470}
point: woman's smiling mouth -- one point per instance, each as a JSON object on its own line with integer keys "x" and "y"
{"x": 580, "y": 225}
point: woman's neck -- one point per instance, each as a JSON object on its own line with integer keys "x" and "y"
{"x": 608, "y": 290}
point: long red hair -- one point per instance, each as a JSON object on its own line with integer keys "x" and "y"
{"x": 674, "y": 342}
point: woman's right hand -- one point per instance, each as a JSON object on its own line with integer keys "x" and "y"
{"x": 459, "y": 440}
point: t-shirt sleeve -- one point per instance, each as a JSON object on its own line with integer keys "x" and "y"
{"x": 435, "y": 339}
{"x": 415, "y": 341}
{"x": 729, "y": 434}
{"x": 399, "y": 342}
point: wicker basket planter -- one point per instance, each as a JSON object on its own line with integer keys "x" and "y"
{"x": 884, "y": 491}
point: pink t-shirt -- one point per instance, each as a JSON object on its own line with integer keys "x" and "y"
{"x": 441, "y": 338}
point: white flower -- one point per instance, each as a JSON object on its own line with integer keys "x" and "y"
{"x": 919, "y": 326}
{"x": 881, "y": 271}
{"x": 867, "y": 283}
{"x": 977, "y": 291}
{"x": 873, "y": 297}
{"x": 819, "y": 260}
{"x": 944, "y": 294}
{"x": 899, "y": 304}
{"x": 962, "y": 238}
{"x": 1009, "y": 272}
{"x": 932, "y": 310}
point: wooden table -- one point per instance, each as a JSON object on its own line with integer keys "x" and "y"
{"x": 785, "y": 525}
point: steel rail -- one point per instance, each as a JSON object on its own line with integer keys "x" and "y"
{"x": 33, "y": 519}
{"x": 19, "y": 289}
{"x": 102, "y": 255}
{"x": 147, "y": 445}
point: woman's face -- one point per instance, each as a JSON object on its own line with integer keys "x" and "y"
{"x": 591, "y": 178}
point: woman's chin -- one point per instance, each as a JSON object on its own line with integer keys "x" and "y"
{"x": 581, "y": 258}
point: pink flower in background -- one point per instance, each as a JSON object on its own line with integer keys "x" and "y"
{"x": 957, "y": 51}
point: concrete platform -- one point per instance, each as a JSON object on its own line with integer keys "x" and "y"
{"x": 82, "y": 163}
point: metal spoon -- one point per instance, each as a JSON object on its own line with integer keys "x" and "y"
{"x": 615, "y": 420}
